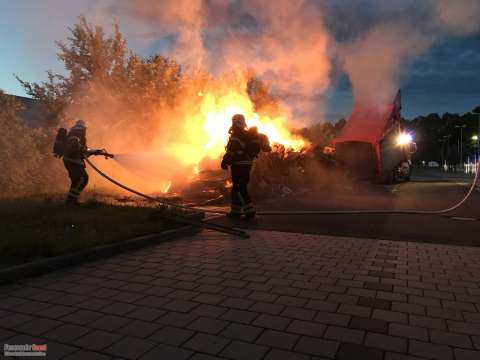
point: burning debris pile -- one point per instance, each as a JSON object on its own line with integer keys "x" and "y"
{"x": 282, "y": 173}
{"x": 206, "y": 123}
{"x": 192, "y": 157}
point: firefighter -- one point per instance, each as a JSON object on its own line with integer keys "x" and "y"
{"x": 260, "y": 142}
{"x": 242, "y": 148}
{"x": 75, "y": 151}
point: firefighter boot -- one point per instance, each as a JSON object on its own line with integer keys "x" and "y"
{"x": 71, "y": 202}
{"x": 249, "y": 211}
{"x": 235, "y": 212}
{"x": 234, "y": 215}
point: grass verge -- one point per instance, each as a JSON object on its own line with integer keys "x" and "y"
{"x": 38, "y": 228}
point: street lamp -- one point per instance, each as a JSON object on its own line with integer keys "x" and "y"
{"x": 443, "y": 140}
{"x": 476, "y": 111}
{"x": 460, "y": 144}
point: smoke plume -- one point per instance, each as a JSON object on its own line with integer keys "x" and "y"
{"x": 284, "y": 42}
{"x": 374, "y": 58}
{"x": 457, "y": 17}
{"x": 182, "y": 19}
{"x": 287, "y": 43}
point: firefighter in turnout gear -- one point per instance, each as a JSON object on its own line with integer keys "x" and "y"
{"x": 243, "y": 147}
{"x": 74, "y": 152}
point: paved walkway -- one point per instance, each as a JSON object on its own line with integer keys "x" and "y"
{"x": 275, "y": 296}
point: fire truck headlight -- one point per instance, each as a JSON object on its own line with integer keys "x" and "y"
{"x": 404, "y": 139}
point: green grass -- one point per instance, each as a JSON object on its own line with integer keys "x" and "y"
{"x": 39, "y": 228}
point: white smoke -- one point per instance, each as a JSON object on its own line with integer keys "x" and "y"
{"x": 373, "y": 60}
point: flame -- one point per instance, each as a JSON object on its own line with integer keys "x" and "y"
{"x": 205, "y": 131}
{"x": 228, "y": 184}
{"x": 167, "y": 188}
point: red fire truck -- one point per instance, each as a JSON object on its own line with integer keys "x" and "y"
{"x": 373, "y": 146}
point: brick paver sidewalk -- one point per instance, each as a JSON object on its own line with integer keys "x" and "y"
{"x": 274, "y": 296}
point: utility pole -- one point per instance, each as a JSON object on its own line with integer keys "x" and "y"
{"x": 445, "y": 152}
{"x": 477, "y": 150}
{"x": 477, "y": 112}
{"x": 449, "y": 152}
{"x": 460, "y": 144}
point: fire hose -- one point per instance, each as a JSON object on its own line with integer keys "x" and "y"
{"x": 179, "y": 219}
{"x": 301, "y": 212}
{"x": 382, "y": 211}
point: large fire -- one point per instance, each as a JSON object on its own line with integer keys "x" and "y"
{"x": 191, "y": 137}
{"x": 205, "y": 133}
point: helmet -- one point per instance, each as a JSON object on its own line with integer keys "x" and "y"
{"x": 80, "y": 124}
{"x": 238, "y": 121}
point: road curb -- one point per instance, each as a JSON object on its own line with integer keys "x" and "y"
{"x": 38, "y": 267}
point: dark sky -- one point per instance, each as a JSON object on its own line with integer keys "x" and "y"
{"x": 445, "y": 79}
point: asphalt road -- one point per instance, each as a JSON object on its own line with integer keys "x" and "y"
{"x": 428, "y": 190}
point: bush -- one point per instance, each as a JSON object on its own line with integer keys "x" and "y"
{"x": 23, "y": 163}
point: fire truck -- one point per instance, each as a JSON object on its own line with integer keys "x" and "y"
{"x": 373, "y": 146}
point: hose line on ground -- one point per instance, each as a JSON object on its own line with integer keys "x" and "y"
{"x": 382, "y": 211}
{"x": 303, "y": 212}
{"x": 201, "y": 223}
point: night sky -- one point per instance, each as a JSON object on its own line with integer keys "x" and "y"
{"x": 445, "y": 79}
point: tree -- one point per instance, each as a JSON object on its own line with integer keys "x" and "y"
{"x": 438, "y": 138}
{"x": 89, "y": 55}
{"x": 322, "y": 134}
{"x": 261, "y": 95}
{"x": 152, "y": 80}
{"x": 51, "y": 94}
{"x": 103, "y": 74}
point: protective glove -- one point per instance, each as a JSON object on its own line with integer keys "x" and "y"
{"x": 224, "y": 165}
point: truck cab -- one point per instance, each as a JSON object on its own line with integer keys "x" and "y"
{"x": 373, "y": 146}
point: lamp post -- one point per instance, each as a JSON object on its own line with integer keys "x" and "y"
{"x": 445, "y": 157}
{"x": 460, "y": 144}
{"x": 477, "y": 153}
{"x": 476, "y": 111}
